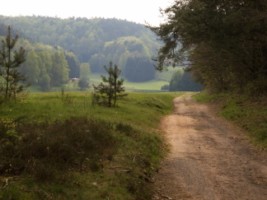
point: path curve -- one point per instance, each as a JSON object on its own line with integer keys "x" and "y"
{"x": 209, "y": 158}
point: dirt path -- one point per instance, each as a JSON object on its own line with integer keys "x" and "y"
{"x": 209, "y": 158}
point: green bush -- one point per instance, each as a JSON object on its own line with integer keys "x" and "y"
{"x": 232, "y": 110}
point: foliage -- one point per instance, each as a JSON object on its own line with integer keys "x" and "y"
{"x": 139, "y": 69}
{"x": 121, "y": 50}
{"x": 167, "y": 73}
{"x": 165, "y": 87}
{"x": 184, "y": 82}
{"x": 225, "y": 42}
{"x": 10, "y": 60}
{"x": 96, "y": 41}
{"x": 83, "y": 84}
{"x": 74, "y": 64}
{"x": 204, "y": 97}
{"x": 110, "y": 90}
{"x": 84, "y": 76}
{"x": 47, "y": 66}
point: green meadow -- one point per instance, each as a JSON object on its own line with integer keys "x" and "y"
{"x": 59, "y": 146}
{"x": 155, "y": 85}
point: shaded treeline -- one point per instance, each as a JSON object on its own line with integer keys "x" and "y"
{"x": 223, "y": 42}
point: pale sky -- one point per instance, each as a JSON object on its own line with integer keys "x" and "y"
{"x": 140, "y": 11}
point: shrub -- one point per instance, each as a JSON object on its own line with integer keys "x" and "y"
{"x": 44, "y": 150}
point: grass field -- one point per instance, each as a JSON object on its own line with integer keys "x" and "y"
{"x": 56, "y": 146}
{"x": 153, "y": 85}
{"x": 161, "y": 79}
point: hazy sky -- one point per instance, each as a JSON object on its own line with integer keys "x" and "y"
{"x": 139, "y": 11}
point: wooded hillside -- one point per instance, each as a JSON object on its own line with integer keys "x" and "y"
{"x": 96, "y": 41}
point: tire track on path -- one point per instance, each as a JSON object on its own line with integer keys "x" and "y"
{"x": 209, "y": 159}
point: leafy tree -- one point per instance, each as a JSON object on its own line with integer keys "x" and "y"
{"x": 111, "y": 89}
{"x": 91, "y": 40}
{"x": 45, "y": 82}
{"x": 225, "y": 41}
{"x": 31, "y": 68}
{"x": 83, "y": 84}
{"x": 120, "y": 50}
{"x": 96, "y": 41}
{"x": 10, "y": 60}
{"x": 46, "y": 66}
{"x": 139, "y": 69}
{"x": 97, "y": 62}
{"x": 184, "y": 82}
{"x": 74, "y": 64}
{"x": 60, "y": 69}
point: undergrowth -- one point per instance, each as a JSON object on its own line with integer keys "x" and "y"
{"x": 249, "y": 113}
{"x": 45, "y": 150}
{"x": 65, "y": 148}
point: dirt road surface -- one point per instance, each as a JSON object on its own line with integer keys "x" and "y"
{"x": 209, "y": 159}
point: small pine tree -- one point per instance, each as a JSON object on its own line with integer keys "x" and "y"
{"x": 110, "y": 90}
{"x": 10, "y": 60}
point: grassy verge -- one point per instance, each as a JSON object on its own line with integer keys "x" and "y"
{"x": 251, "y": 114}
{"x": 61, "y": 147}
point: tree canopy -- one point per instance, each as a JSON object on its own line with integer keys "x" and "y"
{"x": 45, "y": 66}
{"x": 93, "y": 41}
{"x": 85, "y": 37}
{"x": 223, "y": 41}
{"x": 139, "y": 69}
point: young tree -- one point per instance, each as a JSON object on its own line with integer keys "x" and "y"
{"x": 111, "y": 89}
{"x": 10, "y": 60}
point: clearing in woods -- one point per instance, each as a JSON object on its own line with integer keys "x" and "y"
{"x": 209, "y": 158}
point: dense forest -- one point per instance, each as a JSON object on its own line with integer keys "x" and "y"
{"x": 93, "y": 41}
{"x": 45, "y": 66}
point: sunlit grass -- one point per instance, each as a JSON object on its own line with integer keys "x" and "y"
{"x": 53, "y": 106}
{"x": 154, "y": 85}
{"x": 134, "y": 124}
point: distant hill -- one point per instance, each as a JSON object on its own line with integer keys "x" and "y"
{"x": 46, "y": 66}
{"x": 96, "y": 41}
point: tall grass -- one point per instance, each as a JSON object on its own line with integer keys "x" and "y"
{"x": 251, "y": 114}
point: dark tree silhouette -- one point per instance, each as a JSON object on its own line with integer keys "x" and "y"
{"x": 10, "y": 60}
{"x": 224, "y": 40}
